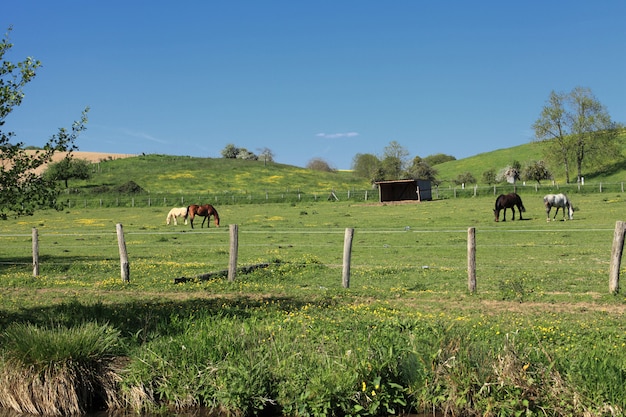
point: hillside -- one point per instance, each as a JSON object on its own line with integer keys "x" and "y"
{"x": 185, "y": 175}
{"x": 611, "y": 171}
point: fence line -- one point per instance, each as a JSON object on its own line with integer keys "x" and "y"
{"x": 615, "y": 259}
{"x": 146, "y": 199}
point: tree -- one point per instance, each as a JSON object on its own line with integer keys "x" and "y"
{"x": 489, "y": 176}
{"x": 246, "y": 154}
{"x": 69, "y": 168}
{"x": 465, "y": 178}
{"x": 510, "y": 174}
{"x": 230, "y": 151}
{"x": 421, "y": 170}
{"x": 366, "y": 165}
{"x": 575, "y": 126}
{"x": 318, "y": 164}
{"x": 592, "y": 129}
{"x": 394, "y": 160}
{"x": 536, "y": 171}
{"x": 266, "y": 154}
{"x": 23, "y": 190}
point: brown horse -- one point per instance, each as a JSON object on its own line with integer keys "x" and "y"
{"x": 205, "y": 211}
{"x": 511, "y": 201}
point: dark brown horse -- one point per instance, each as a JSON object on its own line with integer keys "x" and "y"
{"x": 510, "y": 201}
{"x": 205, "y": 211}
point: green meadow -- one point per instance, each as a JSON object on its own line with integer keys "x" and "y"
{"x": 540, "y": 336}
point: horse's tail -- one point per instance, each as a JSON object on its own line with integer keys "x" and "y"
{"x": 521, "y": 205}
{"x": 187, "y": 212}
{"x": 216, "y": 217}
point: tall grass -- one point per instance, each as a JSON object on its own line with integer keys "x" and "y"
{"x": 59, "y": 371}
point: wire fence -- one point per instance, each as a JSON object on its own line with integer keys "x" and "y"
{"x": 298, "y": 196}
{"x": 574, "y": 260}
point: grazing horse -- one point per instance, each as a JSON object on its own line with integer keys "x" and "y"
{"x": 504, "y": 202}
{"x": 175, "y": 213}
{"x": 560, "y": 201}
{"x": 205, "y": 211}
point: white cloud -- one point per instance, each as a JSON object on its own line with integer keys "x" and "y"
{"x": 337, "y": 135}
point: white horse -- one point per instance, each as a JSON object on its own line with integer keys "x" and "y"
{"x": 560, "y": 201}
{"x": 175, "y": 213}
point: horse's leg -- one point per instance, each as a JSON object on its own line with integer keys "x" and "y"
{"x": 175, "y": 220}
{"x": 513, "y": 210}
{"x": 519, "y": 208}
{"x": 203, "y": 220}
{"x": 191, "y": 216}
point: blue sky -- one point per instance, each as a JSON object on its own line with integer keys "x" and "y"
{"x": 310, "y": 79}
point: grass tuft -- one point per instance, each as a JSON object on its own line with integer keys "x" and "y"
{"x": 59, "y": 371}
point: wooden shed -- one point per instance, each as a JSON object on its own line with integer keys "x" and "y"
{"x": 400, "y": 190}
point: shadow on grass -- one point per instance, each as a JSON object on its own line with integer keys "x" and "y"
{"x": 135, "y": 317}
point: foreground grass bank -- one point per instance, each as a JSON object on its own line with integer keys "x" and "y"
{"x": 542, "y": 336}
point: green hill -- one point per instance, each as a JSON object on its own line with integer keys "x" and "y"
{"x": 610, "y": 171}
{"x": 187, "y": 175}
{"x": 163, "y": 174}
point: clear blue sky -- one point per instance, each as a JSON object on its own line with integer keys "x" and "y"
{"x": 322, "y": 78}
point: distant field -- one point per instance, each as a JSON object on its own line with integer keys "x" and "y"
{"x": 89, "y": 156}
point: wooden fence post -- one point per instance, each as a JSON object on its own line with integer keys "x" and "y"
{"x": 347, "y": 254}
{"x": 471, "y": 259}
{"x": 616, "y": 256}
{"x": 121, "y": 243}
{"x": 234, "y": 248}
{"x": 35, "y": 252}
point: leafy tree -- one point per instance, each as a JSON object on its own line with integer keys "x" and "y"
{"x": 536, "y": 171}
{"x": 510, "y": 174}
{"x": 266, "y": 154}
{"x": 489, "y": 176}
{"x": 24, "y": 190}
{"x": 551, "y": 127}
{"x": 438, "y": 158}
{"x": 394, "y": 160}
{"x": 246, "y": 154}
{"x": 69, "y": 168}
{"x": 230, "y": 151}
{"x": 366, "y": 165}
{"x": 575, "y": 127}
{"x": 392, "y": 168}
{"x": 465, "y": 178}
{"x": 318, "y": 164}
{"x": 592, "y": 128}
{"x": 421, "y": 170}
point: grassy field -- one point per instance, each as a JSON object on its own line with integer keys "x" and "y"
{"x": 542, "y": 334}
{"x": 427, "y": 240}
